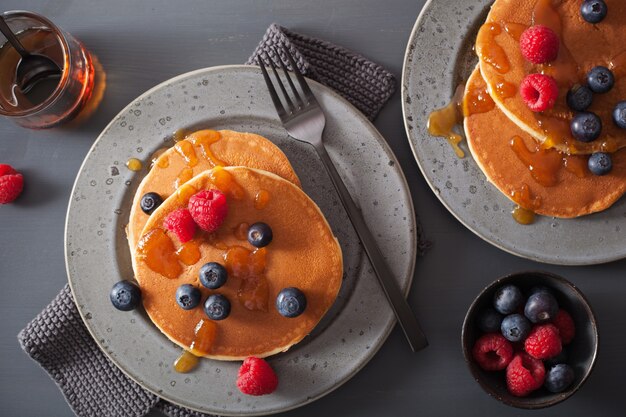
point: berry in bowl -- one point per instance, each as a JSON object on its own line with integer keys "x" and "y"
{"x": 530, "y": 339}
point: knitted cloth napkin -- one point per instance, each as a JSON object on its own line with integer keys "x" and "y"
{"x": 57, "y": 337}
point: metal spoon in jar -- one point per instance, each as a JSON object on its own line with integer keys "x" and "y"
{"x": 31, "y": 68}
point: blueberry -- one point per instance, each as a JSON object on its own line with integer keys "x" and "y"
{"x": 600, "y": 79}
{"x": 600, "y": 163}
{"x": 150, "y": 202}
{"x": 290, "y": 302}
{"x": 619, "y": 114}
{"x": 539, "y": 288}
{"x": 213, "y": 275}
{"x": 579, "y": 97}
{"x": 125, "y": 295}
{"x": 217, "y": 307}
{"x": 559, "y": 377}
{"x": 586, "y": 126}
{"x": 515, "y": 327}
{"x": 260, "y": 235}
{"x": 541, "y": 307}
{"x": 188, "y": 296}
{"x": 593, "y": 11}
{"x": 560, "y": 358}
{"x": 508, "y": 299}
{"x": 489, "y": 320}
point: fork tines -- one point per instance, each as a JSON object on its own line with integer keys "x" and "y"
{"x": 302, "y": 100}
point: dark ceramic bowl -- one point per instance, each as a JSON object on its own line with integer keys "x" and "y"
{"x": 582, "y": 351}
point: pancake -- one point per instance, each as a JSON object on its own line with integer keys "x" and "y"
{"x": 489, "y": 134}
{"x": 226, "y": 148}
{"x": 303, "y": 254}
{"x": 583, "y": 46}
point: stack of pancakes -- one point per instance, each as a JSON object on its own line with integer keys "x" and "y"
{"x": 303, "y": 253}
{"x": 532, "y": 157}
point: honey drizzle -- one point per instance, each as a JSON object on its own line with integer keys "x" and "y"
{"x": 543, "y": 164}
{"x": 617, "y": 64}
{"x": 241, "y": 231}
{"x": 134, "y": 164}
{"x": 180, "y": 134}
{"x": 157, "y": 250}
{"x": 204, "y": 139}
{"x": 186, "y": 150}
{"x": 514, "y": 30}
{"x": 488, "y": 49}
{"x": 185, "y": 175}
{"x": 225, "y": 182}
{"x": 505, "y": 89}
{"x": 249, "y": 266}
{"x": 205, "y": 334}
{"x": 261, "y": 199}
{"x": 186, "y": 362}
{"x": 523, "y": 216}
{"x": 158, "y": 160}
{"x": 477, "y": 100}
{"x": 524, "y": 198}
{"x": 184, "y": 193}
{"x": 441, "y": 122}
{"x": 189, "y": 252}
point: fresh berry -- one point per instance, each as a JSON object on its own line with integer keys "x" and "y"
{"x": 217, "y": 307}
{"x": 508, "y": 299}
{"x": 619, "y": 114}
{"x": 539, "y": 92}
{"x": 564, "y": 322}
{"x": 586, "y": 126}
{"x": 181, "y": 224}
{"x": 600, "y": 163}
{"x": 6, "y": 170}
{"x": 256, "y": 377}
{"x": 541, "y": 307}
{"x": 489, "y": 320}
{"x": 515, "y": 327}
{"x": 524, "y": 375}
{"x": 150, "y": 202}
{"x": 600, "y": 79}
{"x": 492, "y": 352}
{"x": 539, "y": 288}
{"x": 260, "y": 235}
{"x": 539, "y": 44}
{"x": 208, "y": 209}
{"x": 290, "y": 302}
{"x": 579, "y": 97}
{"x": 125, "y": 295}
{"x": 559, "y": 377}
{"x": 213, "y": 275}
{"x": 543, "y": 342}
{"x": 560, "y": 358}
{"x": 11, "y": 184}
{"x": 593, "y": 11}
{"x": 188, "y": 296}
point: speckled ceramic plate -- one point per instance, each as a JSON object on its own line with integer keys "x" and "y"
{"x": 235, "y": 97}
{"x": 438, "y": 58}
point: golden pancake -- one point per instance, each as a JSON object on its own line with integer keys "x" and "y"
{"x": 303, "y": 254}
{"x": 505, "y": 153}
{"x": 583, "y": 46}
{"x": 198, "y": 152}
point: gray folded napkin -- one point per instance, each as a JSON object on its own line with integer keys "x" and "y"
{"x": 57, "y": 337}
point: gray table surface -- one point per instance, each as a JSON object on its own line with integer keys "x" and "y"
{"x": 142, "y": 43}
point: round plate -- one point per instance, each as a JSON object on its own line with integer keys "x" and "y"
{"x": 235, "y": 97}
{"x": 438, "y": 58}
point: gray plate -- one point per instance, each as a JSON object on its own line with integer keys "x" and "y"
{"x": 438, "y": 58}
{"x": 235, "y": 97}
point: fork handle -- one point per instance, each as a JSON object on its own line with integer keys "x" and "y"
{"x": 400, "y": 306}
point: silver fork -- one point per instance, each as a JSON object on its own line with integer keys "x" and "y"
{"x": 304, "y": 120}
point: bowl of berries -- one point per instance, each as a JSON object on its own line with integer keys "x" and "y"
{"x": 530, "y": 339}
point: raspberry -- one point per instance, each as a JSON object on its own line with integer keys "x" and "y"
{"x": 6, "y": 170}
{"x": 256, "y": 377}
{"x": 543, "y": 342}
{"x": 208, "y": 209}
{"x": 539, "y": 92}
{"x": 492, "y": 352}
{"x": 539, "y": 44}
{"x": 11, "y": 184}
{"x": 524, "y": 375}
{"x": 181, "y": 224}
{"x": 564, "y": 322}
